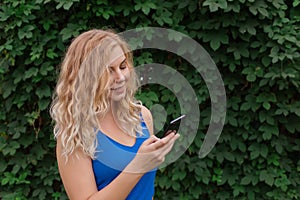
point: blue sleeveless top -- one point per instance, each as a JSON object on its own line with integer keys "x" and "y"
{"x": 112, "y": 157}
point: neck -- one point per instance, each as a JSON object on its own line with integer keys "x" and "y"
{"x": 112, "y": 112}
{"x": 110, "y": 120}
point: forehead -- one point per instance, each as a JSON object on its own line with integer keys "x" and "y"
{"x": 117, "y": 56}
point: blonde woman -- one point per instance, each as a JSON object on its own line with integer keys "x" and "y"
{"x": 106, "y": 148}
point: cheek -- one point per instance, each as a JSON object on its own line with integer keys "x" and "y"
{"x": 110, "y": 80}
{"x": 127, "y": 74}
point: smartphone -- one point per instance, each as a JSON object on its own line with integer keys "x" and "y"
{"x": 173, "y": 126}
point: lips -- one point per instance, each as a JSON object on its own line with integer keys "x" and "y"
{"x": 117, "y": 88}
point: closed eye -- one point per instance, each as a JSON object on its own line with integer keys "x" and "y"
{"x": 123, "y": 65}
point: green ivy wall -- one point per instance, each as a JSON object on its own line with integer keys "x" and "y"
{"x": 254, "y": 43}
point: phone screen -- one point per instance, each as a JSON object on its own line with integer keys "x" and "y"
{"x": 174, "y": 125}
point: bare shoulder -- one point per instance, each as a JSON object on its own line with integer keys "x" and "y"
{"x": 76, "y": 173}
{"x": 147, "y": 116}
{"x": 146, "y": 113}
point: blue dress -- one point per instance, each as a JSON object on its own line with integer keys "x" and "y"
{"x": 112, "y": 157}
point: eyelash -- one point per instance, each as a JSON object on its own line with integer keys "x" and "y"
{"x": 122, "y": 66}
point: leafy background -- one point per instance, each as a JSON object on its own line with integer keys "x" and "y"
{"x": 255, "y": 44}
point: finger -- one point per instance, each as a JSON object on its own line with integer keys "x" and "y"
{"x": 162, "y": 142}
{"x": 168, "y": 137}
{"x": 168, "y": 147}
{"x": 157, "y": 144}
{"x": 167, "y": 133}
{"x": 151, "y": 140}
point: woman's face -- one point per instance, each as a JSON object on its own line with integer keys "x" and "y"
{"x": 119, "y": 74}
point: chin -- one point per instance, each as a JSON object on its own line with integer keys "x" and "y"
{"x": 118, "y": 97}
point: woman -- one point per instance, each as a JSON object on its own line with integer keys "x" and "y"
{"x": 106, "y": 148}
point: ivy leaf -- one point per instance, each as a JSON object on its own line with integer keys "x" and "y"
{"x": 215, "y": 44}
{"x": 266, "y": 177}
{"x": 7, "y": 88}
{"x": 266, "y": 61}
{"x": 25, "y": 32}
{"x": 152, "y": 96}
{"x": 72, "y": 30}
{"x": 229, "y": 156}
{"x": 246, "y": 180}
{"x": 43, "y": 91}
{"x": 265, "y": 98}
{"x": 250, "y": 103}
{"x": 255, "y": 150}
{"x": 293, "y": 124}
{"x": 251, "y": 77}
{"x": 5, "y": 13}
{"x": 30, "y": 73}
{"x": 51, "y": 54}
{"x": 296, "y": 3}
{"x": 259, "y": 6}
{"x": 269, "y": 129}
{"x": 65, "y": 4}
{"x": 46, "y": 68}
{"x": 214, "y": 5}
{"x": 44, "y": 103}
{"x": 216, "y": 39}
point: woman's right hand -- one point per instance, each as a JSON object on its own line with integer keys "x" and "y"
{"x": 151, "y": 153}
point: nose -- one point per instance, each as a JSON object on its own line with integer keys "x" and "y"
{"x": 119, "y": 76}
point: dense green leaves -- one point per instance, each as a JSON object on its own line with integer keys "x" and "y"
{"x": 255, "y": 44}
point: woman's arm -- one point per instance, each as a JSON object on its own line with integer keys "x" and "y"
{"x": 78, "y": 176}
{"x": 79, "y": 182}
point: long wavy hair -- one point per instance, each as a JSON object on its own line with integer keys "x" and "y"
{"x": 82, "y": 92}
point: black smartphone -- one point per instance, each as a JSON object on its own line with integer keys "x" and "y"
{"x": 173, "y": 126}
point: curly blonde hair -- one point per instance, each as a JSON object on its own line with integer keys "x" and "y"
{"x": 82, "y": 92}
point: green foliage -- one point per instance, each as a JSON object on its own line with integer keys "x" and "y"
{"x": 255, "y": 44}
